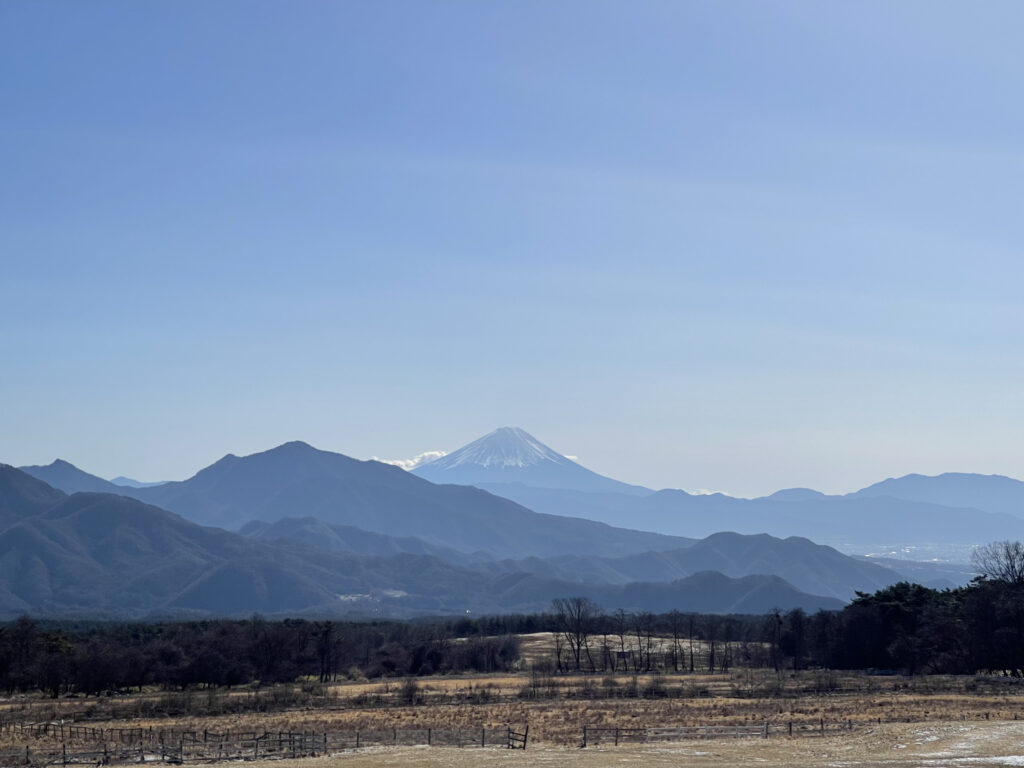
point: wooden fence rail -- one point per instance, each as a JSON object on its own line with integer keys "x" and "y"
{"x": 517, "y": 740}
{"x": 139, "y": 745}
{"x": 594, "y": 736}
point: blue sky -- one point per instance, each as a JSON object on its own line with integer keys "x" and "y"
{"x": 736, "y": 246}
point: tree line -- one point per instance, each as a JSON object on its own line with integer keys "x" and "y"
{"x": 95, "y": 658}
{"x": 907, "y": 628}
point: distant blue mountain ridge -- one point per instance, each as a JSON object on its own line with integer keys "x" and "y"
{"x": 954, "y": 511}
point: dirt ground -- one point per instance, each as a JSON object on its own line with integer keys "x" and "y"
{"x": 928, "y": 745}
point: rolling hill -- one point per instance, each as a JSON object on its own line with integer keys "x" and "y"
{"x": 809, "y": 567}
{"x": 990, "y": 493}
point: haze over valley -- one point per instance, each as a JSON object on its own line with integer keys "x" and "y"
{"x": 503, "y": 524}
{"x": 422, "y": 382}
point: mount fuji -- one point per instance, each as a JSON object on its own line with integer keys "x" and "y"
{"x": 512, "y": 455}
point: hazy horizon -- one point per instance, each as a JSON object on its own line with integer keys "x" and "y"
{"x": 723, "y": 246}
{"x": 409, "y": 464}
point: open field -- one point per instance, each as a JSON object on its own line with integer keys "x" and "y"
{"x": 555, "y": 707}
{"x": 940, "y": 744}
{"x": 932, "y": 745}
{"x": 869, "y": 719}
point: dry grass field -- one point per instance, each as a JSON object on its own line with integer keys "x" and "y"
{"x": 888, "y": 720}
{"x": 932, "y": 745}
{"x": 560, "y": 720}
{"x": 564, "y": 705}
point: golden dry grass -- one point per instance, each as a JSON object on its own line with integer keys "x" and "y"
{"x": 741, "y": 697}
{"x": 937, "y": 745}
{"x": 561, "y": 722}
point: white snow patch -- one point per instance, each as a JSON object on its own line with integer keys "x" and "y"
{"x": 410, "y": 464}
{"x": 504, "y": 447}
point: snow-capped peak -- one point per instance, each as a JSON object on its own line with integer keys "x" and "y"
{"x": 504, "y": 447}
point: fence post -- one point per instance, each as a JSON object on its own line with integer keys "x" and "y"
{"x": 823, "y": 726}
{"x": 357, "y": 739}
{"x": 584, "y": 737}
{"x": 616, "y": 737}
{"x": 483, "y": 737}
{"x": 790, "y": 727}
{"x": 766, "y": 729}
{"x": 428, "y": 736}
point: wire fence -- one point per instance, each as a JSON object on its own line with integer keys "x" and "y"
{"x": 603, "y": 736}
{"x": 59, "y": 743}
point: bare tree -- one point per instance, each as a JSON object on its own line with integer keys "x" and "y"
{"x": 621, "y": 621}
{"x": 712, "y": 626}
{"x": 643, "y": 627}
{"x": 607, "y": 657}
{"x": 559, "y": 662}
{"x": 1000, "y": 561}
{"x": 675, "y": 623}
{"x": 576, "y": 617}
{"x": 691, "y": 631}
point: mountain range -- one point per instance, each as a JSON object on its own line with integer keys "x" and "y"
{"x": 809, "y": 567}
{"x": 854, "y": 524}
{"x": 990, "y": 493}
{"x": 949, "y": 513}
{"x": 314, "y": 532}
{"x": 944, "y": 516}
{"x": 103, "y": 555}
{"x": 297, "y": 480}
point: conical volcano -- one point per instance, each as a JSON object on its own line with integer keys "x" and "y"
{"x": 513, "y": 455}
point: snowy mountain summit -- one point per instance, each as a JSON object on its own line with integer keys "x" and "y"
{"x": 504, "y": 447}
{"x": 513, "y": 455}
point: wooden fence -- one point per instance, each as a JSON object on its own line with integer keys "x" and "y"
{"x": 614, "y": 736}
{"x": 65, "y": 744}
{"x": 517, "y": 740}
